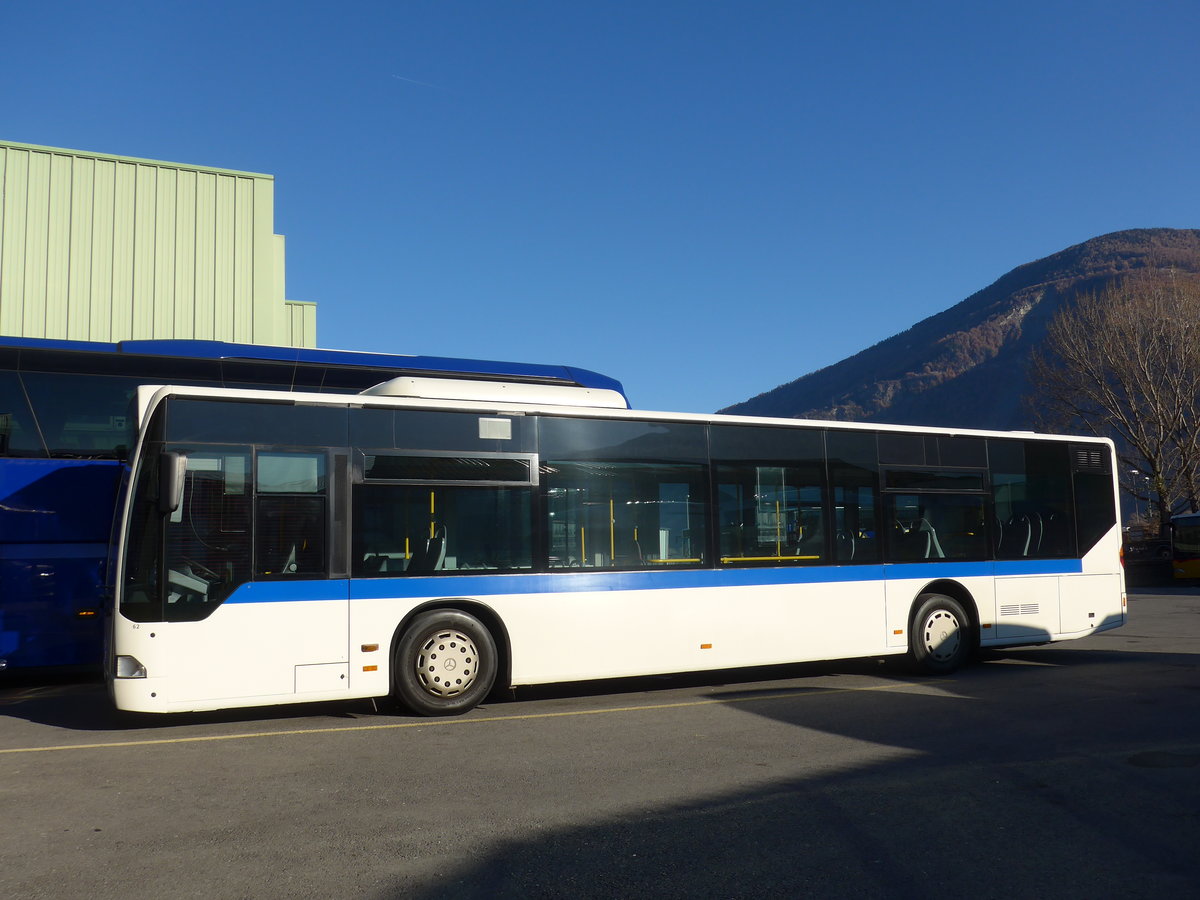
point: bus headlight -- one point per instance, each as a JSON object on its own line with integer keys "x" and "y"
{"x": 129, "y": 667}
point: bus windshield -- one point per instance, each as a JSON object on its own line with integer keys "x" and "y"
{"x": 55, "y": 414}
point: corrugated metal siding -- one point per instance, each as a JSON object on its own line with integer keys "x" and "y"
{"x": 302, "y": 323}
{"x": 106, "y": 249}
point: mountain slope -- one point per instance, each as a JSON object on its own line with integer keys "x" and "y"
{"x": 965, "y": 366}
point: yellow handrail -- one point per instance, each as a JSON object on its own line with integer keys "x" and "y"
{"x": 728, "y": 559}
{"x": 612, "y": 531}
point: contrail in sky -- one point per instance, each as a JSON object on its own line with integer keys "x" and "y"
{"x": 421, "y": 83}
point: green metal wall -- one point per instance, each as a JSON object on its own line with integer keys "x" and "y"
{"x": 107, "y": 248}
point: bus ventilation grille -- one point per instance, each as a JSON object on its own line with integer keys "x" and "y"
{"x": 1089, "y": 460}
{"x": 1019, "y": 609}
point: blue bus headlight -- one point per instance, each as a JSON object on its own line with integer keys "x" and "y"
{"x": 129, "y": 667}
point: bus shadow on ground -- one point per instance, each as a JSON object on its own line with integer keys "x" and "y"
{"x": 83, "y": 705}
{"x": 714, "y": 678}
{"x": 1085, "y": 790}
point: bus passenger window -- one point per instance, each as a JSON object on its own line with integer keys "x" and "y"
{"x": 290, "y": 536}
{"x": 290, "y": 524}
{"x": 421, "y": 530}
{"x": 624, "y": 515}
{"x": 624, "y": 494}
{"x": 1032, "y": 489}
{"x": 854, "y": 474}
{"x": 936, "y": 526}
{"x": 771, "y": 515}
{"x": 855, "y": 536}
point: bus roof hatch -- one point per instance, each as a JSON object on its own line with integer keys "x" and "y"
{"x": 497, "y": 391}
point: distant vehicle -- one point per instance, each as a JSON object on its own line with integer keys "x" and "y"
{"x": 1185, "y": 546}
{"x": 1147, "y": 550}
{"x": 434, "y": 540}
{"x": 66, "y": 428}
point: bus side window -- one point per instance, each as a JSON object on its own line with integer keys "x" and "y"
{"x": 855, "y": 538}
{"x": 1031, "y": 485}
{"x": 18, "y": 433}
{"x": 854, "y": 475}
{"x": 936, "y": 526}
{"x": 290, "y": 515}
{"x": 625, "y": 515}
{"x": 419, "y": 530}
{"x": 770, "y": 514}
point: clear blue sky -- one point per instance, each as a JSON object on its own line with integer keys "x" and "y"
{"x": 702, "y": 199}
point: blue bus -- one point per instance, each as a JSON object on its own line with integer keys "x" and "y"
{"x": 65, "y": 435}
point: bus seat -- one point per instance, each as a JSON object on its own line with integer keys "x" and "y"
{"x": 1018, "y": 533}
{"x": 846, "y": 545}
{"x": 933, "y": 548}
{"x": 437, "y": 549}
{"x": 432, "y": 556}
{"x": 629, "y": 554}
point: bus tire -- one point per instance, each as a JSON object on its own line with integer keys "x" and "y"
{"x": 941, "y": 638}
{"x": 444, "y": 664}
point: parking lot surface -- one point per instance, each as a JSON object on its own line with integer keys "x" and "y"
{"x": 1070, "y": 770}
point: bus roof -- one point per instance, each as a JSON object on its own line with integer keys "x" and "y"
{"x": 108, "y": 358}
{"x": 149, "y": 394}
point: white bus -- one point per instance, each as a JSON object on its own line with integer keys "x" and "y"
{"x": 436, "y": 540}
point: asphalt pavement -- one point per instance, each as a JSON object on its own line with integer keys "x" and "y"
{"x": 1070, "y": 770}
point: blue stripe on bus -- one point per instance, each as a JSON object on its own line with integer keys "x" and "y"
{"x": 280, "y": 591}
{"x": 1039, "y": 567}
{"x": 566, "y": 582}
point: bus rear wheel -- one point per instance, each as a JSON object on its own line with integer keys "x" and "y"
{"x": 940, "y": 640}
{"x": 445, "y": 664}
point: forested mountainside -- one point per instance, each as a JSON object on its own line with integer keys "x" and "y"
{"x": 965, "y": 367}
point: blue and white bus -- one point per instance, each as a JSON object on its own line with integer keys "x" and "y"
{"x": 65, "y": 433}
{"x": 435, "y": 540}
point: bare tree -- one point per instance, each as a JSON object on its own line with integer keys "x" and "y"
{"x": 1125, "y": 364}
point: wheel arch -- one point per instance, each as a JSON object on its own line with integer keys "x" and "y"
{"x": 487, "y": 616}
{"x": 956, "y": 591}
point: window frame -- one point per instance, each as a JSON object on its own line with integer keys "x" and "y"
{"x": 531, "y": 461}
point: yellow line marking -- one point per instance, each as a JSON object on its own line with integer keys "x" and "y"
{"x": 433, "y": 723}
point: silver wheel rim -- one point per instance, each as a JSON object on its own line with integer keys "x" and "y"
{"x": 942, "y": 635}
{"x": 447, "y": 662}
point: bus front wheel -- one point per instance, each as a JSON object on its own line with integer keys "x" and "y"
{"x": 445, "y": 663}
{"x": 941, "y": 637}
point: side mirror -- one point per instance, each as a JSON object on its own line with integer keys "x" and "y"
{"x": 172, "y": 470}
